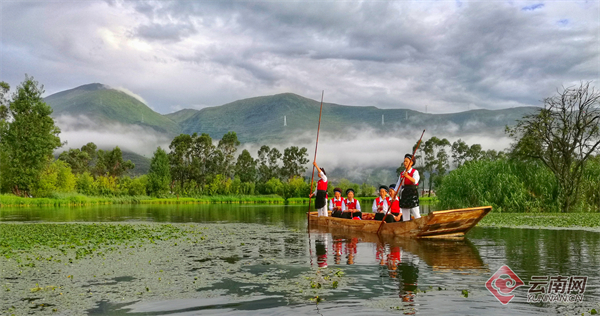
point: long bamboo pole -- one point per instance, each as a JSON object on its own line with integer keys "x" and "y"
{"x": 401, "y": 181}
{"x": 315, "y": 159}
{"x": 312, "y": 178}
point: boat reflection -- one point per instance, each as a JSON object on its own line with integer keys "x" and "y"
{"x": 439, "y": 254}
{"x": 398, "y": 258}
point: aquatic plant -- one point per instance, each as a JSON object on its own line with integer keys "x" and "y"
{"x": 541, "y": 220}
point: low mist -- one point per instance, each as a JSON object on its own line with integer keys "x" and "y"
{"x": 358, "y": 154}
{"x": 80, "y": 130}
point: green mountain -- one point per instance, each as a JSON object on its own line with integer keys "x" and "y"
{"x": 261, "y": 119}
{"x": 142, "y": 163}
{"x": 181, "y": 115}
{"x": 105, "y": 104}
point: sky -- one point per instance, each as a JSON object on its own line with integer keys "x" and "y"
{"x": 446, "y": 56}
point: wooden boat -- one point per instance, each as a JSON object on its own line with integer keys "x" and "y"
{"x": 438, "y": 224}
{"x": 440, "y": 254}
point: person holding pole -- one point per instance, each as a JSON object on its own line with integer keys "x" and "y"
{"x": 380, "y": 204}
{"x": 409, "y": 198}
{"x": 320, "y": 192}
{"x": 394, "y": 214}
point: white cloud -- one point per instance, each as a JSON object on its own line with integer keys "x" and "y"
{"x": 395, "y": 54}
{"x": 80, "y": 130}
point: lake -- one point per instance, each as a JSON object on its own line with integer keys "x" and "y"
{"x": 261, "y": 259}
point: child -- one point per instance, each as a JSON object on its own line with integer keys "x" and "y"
{"x": 380, "y": 205}
{"x": 321, "y": 192}
{"x": 394, "y": 215}
{"x": 337, "y": 203}
{"x": 409, "y": 198}
{"x": 351, "y": 206}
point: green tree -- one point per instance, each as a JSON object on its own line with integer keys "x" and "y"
{"x": 111, "y": 163}
{"x": 475, "y": 153}
{"x": 245, "y": 167}
{"x": 436, "y": 159}
{"x": 294, "y": 161}
{"x": 203, "y": 152}
{"x": 268, "y": 163}
{"x": 459, "y": 152}
{"x": 80, "y": 160}
{"x": 159, "y": 175}
{"x": 367, "y": 190}
{"x": 85, "y": 184}
{"x": 228, "y": 146}
{"x": 563, "y": 135}
{"x": 28, "y": 136}
{"x": 274, "y": 186}
{"x": 180, "y": 158}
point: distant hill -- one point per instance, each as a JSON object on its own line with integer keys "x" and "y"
{"x": 261, "y": 119}
{"x": 142, "y": 164}
{"x": 181, "y": 115}
{"x": 105, "y": 104}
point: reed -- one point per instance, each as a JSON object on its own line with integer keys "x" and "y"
{"x": 509, "y": 186}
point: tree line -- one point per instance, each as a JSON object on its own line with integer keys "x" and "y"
{"x": 553, "y": 163}
{"x": 195, "y": 164}
{"x": 436, "y": 157}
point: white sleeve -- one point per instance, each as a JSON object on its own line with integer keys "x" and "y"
{"x": 331, "y": 206}
{"x": 323, "y": 176}
{"x": 357, "y": 205}
{"x": 385, "y": 206}
{"x": 399, "y": 182}
{"x": 374, "y": 206}
{"x": 416, "y": 176}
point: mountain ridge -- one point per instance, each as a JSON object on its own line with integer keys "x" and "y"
{"x": 261, "y": 118}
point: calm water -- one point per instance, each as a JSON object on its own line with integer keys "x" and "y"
{"x": 412, "y": 276}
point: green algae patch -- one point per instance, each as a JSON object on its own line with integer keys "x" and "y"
{"x": 70, "y": 269}
{"x": 83, "y": 239}
{"x": 545, "y": 220}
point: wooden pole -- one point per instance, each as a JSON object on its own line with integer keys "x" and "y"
{"x": 315, "y": 158}
{"x": 401, "y": 180}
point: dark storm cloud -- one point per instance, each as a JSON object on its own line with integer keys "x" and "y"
{"x": 165, "y": 32}
{"x": 448, "y": 56}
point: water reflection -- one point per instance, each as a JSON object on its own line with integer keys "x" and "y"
{"x": 382, "y": 272}
{"x": 439, "y": 254}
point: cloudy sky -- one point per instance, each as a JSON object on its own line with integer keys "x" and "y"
{"x": 448, "y": 55}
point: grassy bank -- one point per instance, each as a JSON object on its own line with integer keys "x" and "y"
{"x": 559, "y": 220}
{"x": 82, "y": 200}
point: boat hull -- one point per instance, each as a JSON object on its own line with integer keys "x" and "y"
{"x": 438, "y": 224}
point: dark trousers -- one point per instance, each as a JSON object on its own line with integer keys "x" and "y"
{"x": 390, "y": 218}
{"x": 336, "y": 213}
{"x": 350, "y": 215}
{"x": 379, "y": 216}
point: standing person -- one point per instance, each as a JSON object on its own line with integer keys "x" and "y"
{"x": 321, "y": 192}
{"x": 409, "y": 198}
{"x": 380, "y": 205}
{"x": 394, "y": 215}
{"x": 351, "y": 206}
{"x": 337, "y": 203}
